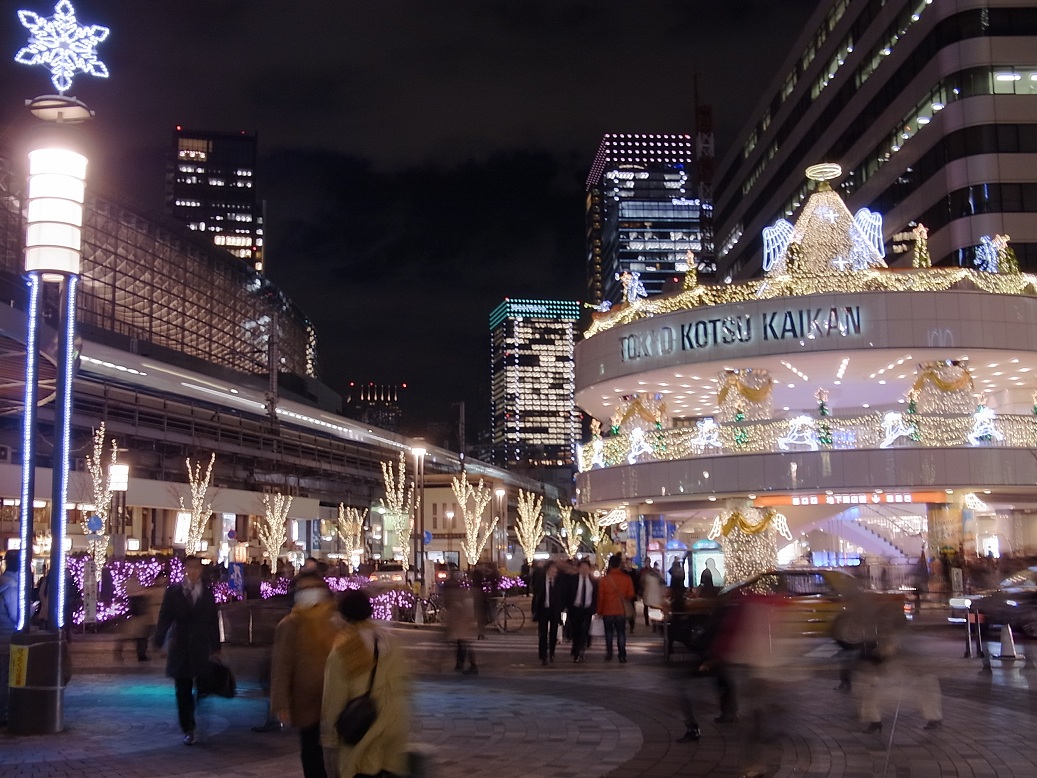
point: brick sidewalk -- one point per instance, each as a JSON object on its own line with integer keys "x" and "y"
{"x": 565, "y": 721}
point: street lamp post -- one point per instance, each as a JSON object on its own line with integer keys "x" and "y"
{"x": 450, "y": 533}
{"x": 119, "y": 479}
{"x": 502, "y": 519}
{"x": 419, "y": 543}
{"x": 53, "y": 251}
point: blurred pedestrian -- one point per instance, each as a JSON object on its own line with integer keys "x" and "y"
{"x": 678, "y": 585}
{"x": 145, "y": 602}
{"x": 462, "y": 615}
{"x": 614, "y": 590}
{"x": 652, "y": 585}
{"x": 549, "y": 598}
{"x": 893, "y": 671}
{"x": 709, "y": 579}
{"x": 479, "y": 599}
{"x": 583, "y": 606}
{"x": 9, "y": 606}
{"x": 366, "y": 657}
{"x": 189, "y": 617}
{"x": 302, "y": 643}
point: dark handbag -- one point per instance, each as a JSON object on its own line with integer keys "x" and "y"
{"x": 218, "y": 680}
{"x": 360, "y": 712}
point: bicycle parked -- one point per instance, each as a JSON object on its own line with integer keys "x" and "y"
{"x": 505, "y": 616}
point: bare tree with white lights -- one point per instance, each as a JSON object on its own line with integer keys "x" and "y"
{"x": 95, "y": 527}
{"x": 529, "y": 527}
{"x": 200, "y": 509}
{"x": 350, "y": 528}
{"x": 273, "y": 531}
{"x": 399, "y": 504}
{"x": 600, "y": 538}
{"x": 477, "y": 530}
{"x": 571, "y": 530}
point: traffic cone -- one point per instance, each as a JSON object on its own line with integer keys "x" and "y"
{"x": 1007, "y": 643}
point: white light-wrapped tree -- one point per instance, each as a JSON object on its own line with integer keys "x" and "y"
{"x": 399, "y": 504}
{"x": 273, "y": 530}
{"x": 350, "y": 528}
{"x": 95, "y": 527}
{"x": 529, "y": 526}
{"x": 571, "y": 530}
{"x": 601, "y": 540}
{"x": 473, "y": 501}
{"x": 200, "y": 510}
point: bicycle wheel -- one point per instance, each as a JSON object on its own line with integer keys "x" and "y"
{"x": 431, "y": 611}
{"x": 510, "y": 618}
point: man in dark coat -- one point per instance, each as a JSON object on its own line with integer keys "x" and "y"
{"x": 550, "y": 596}
{"x": 582, "y": 606}
{"x": 189, "y": 609}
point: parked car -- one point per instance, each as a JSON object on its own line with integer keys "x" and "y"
{"x": 1013, "y": 602}
{"x": 817, "y": 601}
{"x": 388, "y": 575}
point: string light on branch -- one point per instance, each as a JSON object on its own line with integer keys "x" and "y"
{"x": 529, "y": 526}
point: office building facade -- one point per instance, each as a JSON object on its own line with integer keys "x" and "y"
{"x": 643, "y": 213}
{"x": 211, "y": 187}
{"x": 533, "y": 416}
{"x": 928, "y": 107}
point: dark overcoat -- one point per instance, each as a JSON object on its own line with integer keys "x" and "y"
{"x": 193, "y": 630}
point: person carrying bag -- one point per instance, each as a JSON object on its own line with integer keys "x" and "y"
{"x": 367, "y": 692}
{"x": 360, "y": 712}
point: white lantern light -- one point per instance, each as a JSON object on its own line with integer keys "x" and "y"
{"x": 53, "y": 238}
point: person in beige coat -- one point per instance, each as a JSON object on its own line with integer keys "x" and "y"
{"x": 302, "y": 643}
{"x": 384, "y": 749}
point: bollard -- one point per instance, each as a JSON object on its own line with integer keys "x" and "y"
{"x": 39, "y": 672}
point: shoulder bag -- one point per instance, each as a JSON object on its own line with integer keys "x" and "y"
{"x": 360, "y": 712}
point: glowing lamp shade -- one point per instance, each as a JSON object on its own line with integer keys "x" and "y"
{"x": 120, "y": 477}
{"x": 53, "y": 238}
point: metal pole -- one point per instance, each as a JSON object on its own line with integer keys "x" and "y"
{"x": 62, "y": 450}
{"x": 421, "y": 523}
{"x": 28, "y": 493}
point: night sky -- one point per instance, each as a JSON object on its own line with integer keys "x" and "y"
{"x": 421, "y": 159}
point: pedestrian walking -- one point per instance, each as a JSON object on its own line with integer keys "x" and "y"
{"x": 549, "y": 598}
{"x": 614, "y": 591}
{"x": 462, "y": 614}
{"x": 652, "y": 585}
{"x": 582, "y": 608}
{"x": 302, "y": 643}
{"x": 189, "y": 618}
{"x": 8, "y": 622}
{"x": 678, "y": 585}
{"x": 365, "y": 658}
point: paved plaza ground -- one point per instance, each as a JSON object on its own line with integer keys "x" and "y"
{"x": 517, "y": 718}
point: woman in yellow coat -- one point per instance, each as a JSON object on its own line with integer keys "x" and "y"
{"x": 383, "y": 750}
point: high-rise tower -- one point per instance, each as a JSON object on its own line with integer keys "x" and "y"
{"x": 643, "y": 213}
{"x": 534, "y": 421}
{"x": 211, "y": 187}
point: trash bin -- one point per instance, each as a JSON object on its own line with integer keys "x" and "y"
{"x": 39, "y": 672}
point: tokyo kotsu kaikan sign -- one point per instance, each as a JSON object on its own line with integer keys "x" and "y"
{"x": 723, "y": 332}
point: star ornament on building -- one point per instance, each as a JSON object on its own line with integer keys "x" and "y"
{"x": 62, "y": 45}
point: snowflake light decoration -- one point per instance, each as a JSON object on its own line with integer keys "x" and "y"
{"x": 60, "y": 43}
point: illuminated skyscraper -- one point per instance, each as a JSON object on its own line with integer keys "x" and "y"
{"x": 211, "y": 187}
{"x": 534, "y": 419}
{"x": 642, "y": 213}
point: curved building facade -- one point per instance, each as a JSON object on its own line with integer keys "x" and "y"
{"x": 928, "y": 106}
{"x": 834, "y": 388}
